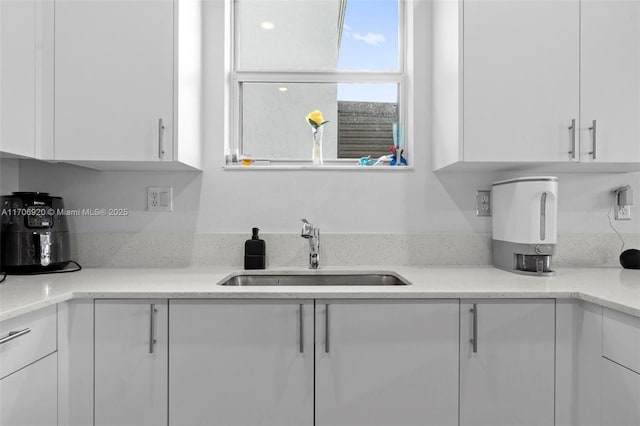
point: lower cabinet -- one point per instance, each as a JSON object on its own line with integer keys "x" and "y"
{"x": 387, "y": 363}
{"x": 346, "y": 362}
{"x": 620, "y": 395}
{"x": 29, "y": 369}
{"x": 271, "y": 362}
{"x": 28, "y": 397}
{"x": 620, "y": 369}
{"x": 131, "y": 361}
{"x": 507, "y": 360}
{"x": 241, "y": 363}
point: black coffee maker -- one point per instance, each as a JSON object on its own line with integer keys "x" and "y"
{"x": 34, "y": 236}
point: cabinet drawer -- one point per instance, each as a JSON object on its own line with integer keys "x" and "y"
{"x": 30, "y": 396}
{"x": 620, "y": 395}
{"x": 621, "y": 339}
{"x": 39, "y": 341}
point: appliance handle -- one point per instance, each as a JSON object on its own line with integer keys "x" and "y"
{"x": 43, "y": 247}
{"x": 543, "y": 216}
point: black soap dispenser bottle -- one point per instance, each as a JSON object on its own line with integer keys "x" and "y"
{"x": 254, "y": 252}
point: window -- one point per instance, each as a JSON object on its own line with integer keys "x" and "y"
{"x": 290, "y": 57}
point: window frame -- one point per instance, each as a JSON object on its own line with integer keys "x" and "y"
{"x": 236, "y": 78}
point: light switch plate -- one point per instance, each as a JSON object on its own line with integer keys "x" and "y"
{"x": 159, "y": 198}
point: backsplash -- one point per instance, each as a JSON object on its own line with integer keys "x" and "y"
{"x": 112, "y": 250}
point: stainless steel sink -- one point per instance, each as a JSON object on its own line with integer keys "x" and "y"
{"x": 315, "y": 279}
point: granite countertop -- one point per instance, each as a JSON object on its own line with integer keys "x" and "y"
{"x": 613, "y": 287}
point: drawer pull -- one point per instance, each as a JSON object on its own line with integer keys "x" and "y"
{"x": 14, "y": 335}
{"x": 300, "y": 321}
{"x": 573, "y": 138}
{"x": 152, "y": 330}
{"x": 161, "y": 128}
{"x": 594, "y": 138}
{"x": 326, "y": 330}
{"x": 474, "y": 339}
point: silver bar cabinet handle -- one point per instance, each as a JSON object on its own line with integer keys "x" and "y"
{"x": 573, "y": 138}
{"x": 152, "y": 331}
{"x": 474, "y": 339}
{"x": 594, "y": 138}
{"x": 326, "y": 330}
{"x": 160, "y": 138}
{"x": 301, "y": 336}
{"x": 14, "y": 335}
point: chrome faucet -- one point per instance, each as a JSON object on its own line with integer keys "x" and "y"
{"x": 313, "y": 235}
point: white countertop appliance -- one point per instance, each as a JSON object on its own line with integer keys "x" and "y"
{"x": 525, "y": 214}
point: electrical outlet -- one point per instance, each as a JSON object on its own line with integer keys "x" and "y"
{"x": 622, "y": 212}
{"x": 159, "y": 199}
{"x": 483, "y": 203}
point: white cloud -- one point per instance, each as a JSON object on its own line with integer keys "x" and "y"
{"x": 370, "y": 38}
{"x": 347, "y": 27}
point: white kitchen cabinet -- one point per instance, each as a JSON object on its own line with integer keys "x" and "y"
{"x": 610, "y": 80}
{"x": 26, "y": 339}
{"x": 75, "y": 362}
{"x": 387, "y": 363}
{"x": 621, "y": 339}
{"x": 241, "y": 362}
{"x": 520, "y": 81}
{"x": 506, "y": 81}
{"x": 127, "y": 83}
{"x": 620, "y": 395}
{"x": 578, "y": 363}
{"x": 18, "y": 77}
{"x": 28, "y": 397}
{"x": 518, "y": 84}
{"x": 131, "y": 361}
{"x": 28, "y": 369}
{"x": 620, "y": 369}
{"x": 507, "y": 353}
{"x": 252, "y": 362}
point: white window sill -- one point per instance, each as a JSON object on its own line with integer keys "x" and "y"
{"x": 325, "y": 167}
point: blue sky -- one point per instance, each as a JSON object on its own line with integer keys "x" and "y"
{"x": 369, "y": 42}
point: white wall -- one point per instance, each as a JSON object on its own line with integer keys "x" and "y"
{"x": 366, "y": 201}
{"x": 8, "y": 175}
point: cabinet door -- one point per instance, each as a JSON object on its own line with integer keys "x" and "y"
{"x": 130, "y": 369}
{"x": 17, "y": 76}
{"x": 521, "y": 79}
{"x": 28, "y": 397}
{"x": 610, "y": 80}
{"x": 241, "y": 363}
{"x": 387, "y": 363}
{"x": 620, "y": 395}
{"x": 113, "y": 79}
{"x": 509, "y": 378}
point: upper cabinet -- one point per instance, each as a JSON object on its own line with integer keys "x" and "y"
{"x": 127, "y": 84}
{"x": 17, "y": 77}
{"x": 610, "y": 81}
{"x": 551, "y": 85}
{"x": 520, "y": 79}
